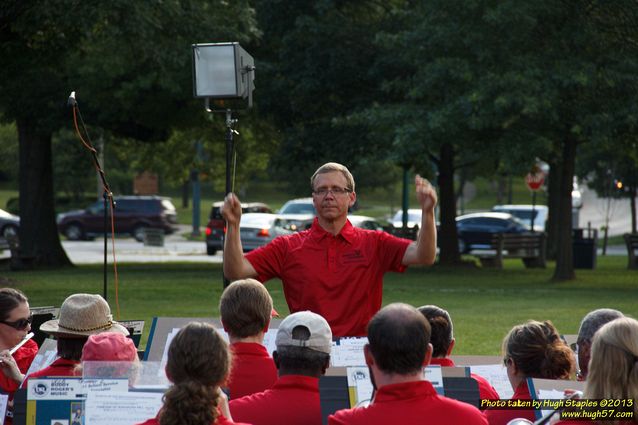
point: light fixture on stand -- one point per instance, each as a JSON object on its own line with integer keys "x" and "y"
{"x": 224, "y": 73}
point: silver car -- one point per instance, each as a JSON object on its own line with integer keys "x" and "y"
{"x": 257, "y": 229}
{"x": 9, "y": 225}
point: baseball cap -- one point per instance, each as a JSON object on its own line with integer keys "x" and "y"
{"x": 320, "y": 334}
{"x": 109, "y": 347}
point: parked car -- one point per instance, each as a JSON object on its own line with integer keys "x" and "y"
{"x": 476, "y": 230}
{"x": 216, "y": 226}
{"x": 132, "y": 215}
{"x": 365, "y": 222}
{"x": 257, "y": 229}
{"x": 414, "y": 218}
{"x": 524, "y": 213}
{"x": 298, "y": 206}
{"x": 295, "y": 222}
{"x": 9, "y": 224}
{"x": 577, "y": 195}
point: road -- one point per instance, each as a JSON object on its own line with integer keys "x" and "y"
{"x": 176, "y": 249}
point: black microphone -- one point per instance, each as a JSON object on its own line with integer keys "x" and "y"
{"x": 71, "y": 101}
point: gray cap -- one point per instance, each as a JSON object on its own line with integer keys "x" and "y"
{"x": 320, "y": 334}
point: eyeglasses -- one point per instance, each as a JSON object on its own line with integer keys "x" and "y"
{"x": 20, "y": 324}
{"x": 336, "y": 191}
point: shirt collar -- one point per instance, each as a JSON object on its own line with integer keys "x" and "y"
{"x": 318, "y": 233}
{"x": 404, "y": 391}
{"x": 440, "y": 361}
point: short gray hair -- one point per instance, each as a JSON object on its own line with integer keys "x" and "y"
{"x": 594, "y": 320}
{"x": 329, "y": 167}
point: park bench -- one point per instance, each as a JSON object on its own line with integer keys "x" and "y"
{"x": 631, "y": 240}
{"x": 529, "y": 247}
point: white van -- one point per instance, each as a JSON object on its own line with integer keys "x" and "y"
{"x": 524, "y": 213}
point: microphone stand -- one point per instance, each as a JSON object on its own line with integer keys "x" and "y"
{"x": 107, "y": 194}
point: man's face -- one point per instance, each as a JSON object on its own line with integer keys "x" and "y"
{"x": 331, "y": 197}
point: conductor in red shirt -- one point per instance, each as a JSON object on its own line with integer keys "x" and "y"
{"x": 333, "y": 269}
{"x": 399, "y": 346}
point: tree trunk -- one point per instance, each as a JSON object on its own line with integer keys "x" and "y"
{"x": 564, "y": 254}
{"x": 40, "y": 245}
{"x": 553, "y": 200}
{"x": 448, "y": 238}
{"x": 632, "y": 203}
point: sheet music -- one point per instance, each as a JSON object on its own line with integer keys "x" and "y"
{"x": 348, "y": 352}
{"x": 496, "y": 375}
{"x": 127, "y": 408}
{"x": 169, "y": 338}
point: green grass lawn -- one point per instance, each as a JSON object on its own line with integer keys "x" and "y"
{"x": 484, "y": 304}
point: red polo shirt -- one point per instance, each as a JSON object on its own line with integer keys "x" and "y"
{"x": 486, "y": 391}
{"x": 503, "y": 416}
{"x": 410, "y": 403}
{"x": 59, "y": 367}
{"x": 253, "y": 369}
{"x": 23, "y": 357}
{"x": 339, "y": 277}
{"x": 293, "y": 400}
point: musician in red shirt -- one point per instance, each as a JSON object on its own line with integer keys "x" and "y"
{"x": 303, "y": 355}
{"x": 399, "y": 346}
{"x": 443, "y": 341}
{"x": 245, "y": 308}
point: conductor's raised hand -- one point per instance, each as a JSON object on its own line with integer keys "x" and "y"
{"x": 231, "y": 210}
{"x": 425, "y": 193}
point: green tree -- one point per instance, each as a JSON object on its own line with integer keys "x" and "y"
{"x": 130, "y": 65}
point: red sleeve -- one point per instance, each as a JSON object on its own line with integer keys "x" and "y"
{"x": 268, "y": 260}
{"x": 23, "y": 357}
{"x": 390, "y": 251}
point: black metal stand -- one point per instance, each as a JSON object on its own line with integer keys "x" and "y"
{"x": 106, "y": 226}
{"x": 96, "y": 162}
{"x": 230, "y": 148}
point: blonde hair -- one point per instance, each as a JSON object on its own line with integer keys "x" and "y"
{"x": 538, "y": 351}
{"x": 613, "y": 365}
{"x": 330, "y": 167}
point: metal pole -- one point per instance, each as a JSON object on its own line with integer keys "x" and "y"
{"x": 533, "y": 209}
{"x": 106, "y": 225}
{"x": 229, "y": 160}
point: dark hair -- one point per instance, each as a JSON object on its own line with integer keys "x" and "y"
{"x": 10, "y": 298}
{"x": 198, "y": 362}
{"x": 245, "y": 308}
{"x": 398, "y": 336}
{"x": 71, "y": 348}
{"x": 301, "y": 360}
{"x": 441, "y": 329}
{"x": 538, "y": 351}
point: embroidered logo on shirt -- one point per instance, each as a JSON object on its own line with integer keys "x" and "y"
{"x": 353, "y": 257}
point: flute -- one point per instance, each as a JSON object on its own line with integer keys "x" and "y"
{"x": 21, "y": 343}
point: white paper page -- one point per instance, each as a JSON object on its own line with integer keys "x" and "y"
{"x": 496, "y": 375}
{"x": 269, "y": 339}
{"x": 169, "y": 338}
{"x": 47, "y": 353}
{"x": 4, "y": 399}
{"x": 434, "y": 374}
{"x": 348, "y": 352}
{"x": 121, "y": 408}
{"x": 550, "y": 395}
{"x": 359, "y": 378}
